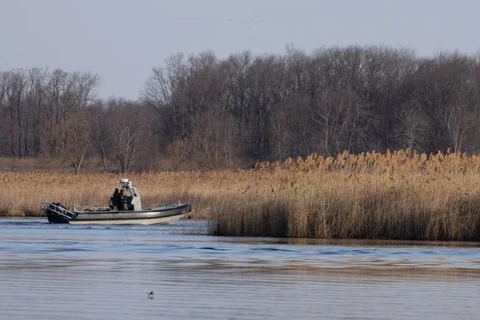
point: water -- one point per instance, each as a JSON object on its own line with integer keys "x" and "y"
{"x": 106, "y": 272}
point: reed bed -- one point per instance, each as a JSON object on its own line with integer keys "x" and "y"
{"x": 394, "y": 195}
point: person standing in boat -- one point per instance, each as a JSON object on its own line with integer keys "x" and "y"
{"x": 114, "y": 199}
{"x": 121, "y": 201}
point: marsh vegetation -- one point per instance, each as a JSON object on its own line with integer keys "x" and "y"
{"x": 399, "y": 195}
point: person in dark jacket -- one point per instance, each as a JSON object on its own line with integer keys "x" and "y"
{"x": 121, "y": 201}
{"x": 114, "y": 199}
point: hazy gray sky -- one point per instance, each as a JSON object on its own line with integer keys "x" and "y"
{"x": 122, "y": 40}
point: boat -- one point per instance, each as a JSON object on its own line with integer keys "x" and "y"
{"x": 124, "y": 207}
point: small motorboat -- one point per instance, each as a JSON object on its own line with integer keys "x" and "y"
{"x": 124, "y": 208}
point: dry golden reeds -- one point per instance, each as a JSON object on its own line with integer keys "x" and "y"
{"x": 395, "y": 195}
{"x": 399, "y": 195}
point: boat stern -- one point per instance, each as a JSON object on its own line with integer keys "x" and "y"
{"x": 57, "y": 213}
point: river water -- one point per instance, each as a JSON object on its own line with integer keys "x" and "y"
{"x": 106, "y": 272}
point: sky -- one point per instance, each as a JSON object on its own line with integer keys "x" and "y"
{"x": 122, "y": 40}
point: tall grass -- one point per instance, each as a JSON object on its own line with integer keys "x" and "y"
{"x": 399, "y": 195}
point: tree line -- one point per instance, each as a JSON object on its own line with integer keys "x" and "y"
{"x": 205, "y": 112}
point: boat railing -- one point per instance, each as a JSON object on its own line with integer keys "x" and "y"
{"x": 88, "y": 208}
{"x": 59, "y": 209}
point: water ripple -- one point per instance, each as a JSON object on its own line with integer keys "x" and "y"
{"x": 85, "y": 272}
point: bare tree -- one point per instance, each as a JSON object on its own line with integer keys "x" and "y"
{"x": 81, "y": 132}
{"x": 412, "y": 126}
{"x": 213, "y": 140}
{"x": 64, "y": 94}
{"x": 179, "y": 152}
{"x": 125, "y": 122}
{"x": 458, "y": 118}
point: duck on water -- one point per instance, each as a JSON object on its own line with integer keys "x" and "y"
{"x": 125, "y": 208}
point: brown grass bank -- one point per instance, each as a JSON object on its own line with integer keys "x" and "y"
{"x": 376, "y": 196}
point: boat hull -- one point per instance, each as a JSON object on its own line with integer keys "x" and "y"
{"x": 139, "y": 221}
{"x": 160, "y": 215}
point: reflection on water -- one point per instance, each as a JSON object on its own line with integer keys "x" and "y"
{"x": 82, "y": 272}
